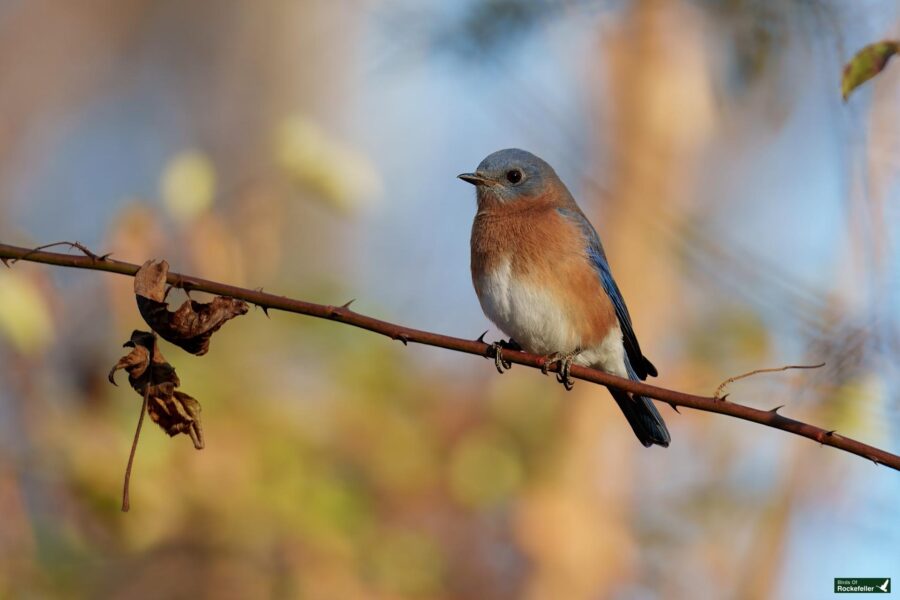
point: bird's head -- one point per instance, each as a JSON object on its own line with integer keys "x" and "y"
{"x": 513, "y": 176}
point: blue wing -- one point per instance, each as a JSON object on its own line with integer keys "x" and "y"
{"x": 638, "y": 362}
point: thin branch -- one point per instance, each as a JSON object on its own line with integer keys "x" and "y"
{"x": 75, "y": 245}
{"x": 406, "y": 335}
{"x": 724, "y": 384}
{"x": 126, "y": 500}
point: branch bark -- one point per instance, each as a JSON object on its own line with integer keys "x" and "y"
{"x": 343, "y": 314}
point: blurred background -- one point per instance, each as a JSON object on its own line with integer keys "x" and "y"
{"x": 310, "y": 148}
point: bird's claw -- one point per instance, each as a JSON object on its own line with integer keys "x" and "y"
{"x": 563, "y": 375}
{"x": 565, "y": 365}
{"x": 549, "y": 360}
{"x": 501, "y": 363}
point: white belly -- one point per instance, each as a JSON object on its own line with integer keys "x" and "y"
{"x": 608, "y": 355}
{"x": 535, "y": 319}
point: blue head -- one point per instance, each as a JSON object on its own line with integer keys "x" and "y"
{"x": 514, "y": 175}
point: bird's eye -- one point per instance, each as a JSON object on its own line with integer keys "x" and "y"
{"x": 514, "y": 176}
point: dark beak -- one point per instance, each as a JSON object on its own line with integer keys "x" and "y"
{"x": 473, "y": 178}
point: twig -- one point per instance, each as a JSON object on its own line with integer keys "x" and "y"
{"x": 724, "y": 384}
{"x": 126, "y": 501}
{"x": 477, "y": 347}
{"x": 76, "y": 245}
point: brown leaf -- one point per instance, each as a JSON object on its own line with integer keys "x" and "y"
{"x": 177, "y": 413}
{"x": 192, "y": 325}
{"x": 174, "y": 411}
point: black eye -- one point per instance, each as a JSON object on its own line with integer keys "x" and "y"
{"x": 514, "y": 176}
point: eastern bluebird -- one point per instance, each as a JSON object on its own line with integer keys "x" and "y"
{"x": 542, "y": 277}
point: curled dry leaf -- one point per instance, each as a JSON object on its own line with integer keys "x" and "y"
{"x": 192, "y": 325}
{"x": 174, "y": 411}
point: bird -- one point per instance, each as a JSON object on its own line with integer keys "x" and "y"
{"x": 884, "y": 586}
{"x": 542, "y": 277}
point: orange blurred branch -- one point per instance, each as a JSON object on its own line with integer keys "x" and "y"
{"x": 343, "y": 314}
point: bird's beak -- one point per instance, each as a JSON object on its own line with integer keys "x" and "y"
{"x": 474, "y": 179}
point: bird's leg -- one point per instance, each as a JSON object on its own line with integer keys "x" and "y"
{"x": 565, "y": 364}
{"x": 498, "y": 348}
{"x": 549, "y": 360}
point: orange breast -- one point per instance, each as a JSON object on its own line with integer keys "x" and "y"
{"x": 544, "y": 249}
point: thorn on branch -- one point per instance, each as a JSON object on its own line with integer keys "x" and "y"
{"x": 825, "y": 434}
{"x": 265, "y": 309}
{"x": 775, "y": 410}
{"x": 724, "y": 384}
{"x": 403, "y": 338}
{"x": 480, "y": 338}
{"x": 675, "y": 408}
{"x": 348, "y": 303}
{"x": 5, "y": 262}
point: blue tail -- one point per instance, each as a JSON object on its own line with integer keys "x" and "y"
{"x": 645, "y": 420}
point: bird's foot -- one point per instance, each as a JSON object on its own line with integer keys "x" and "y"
{"x": 565, "y": 364}
{"x": 501, "y": 363}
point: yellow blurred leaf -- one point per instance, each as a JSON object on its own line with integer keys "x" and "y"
{"x": 485, "y": 469}
{"x": 188, "y": 185}
{"x": 850, "y": 408}
{"x": 403, "y": 459}
{"x": 340, "y": 175}
{"x": 24, "y": 314}
{"x": 408, "y": 563}
{"x": 866, "y": 64}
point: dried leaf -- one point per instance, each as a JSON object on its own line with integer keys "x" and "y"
{"x": 155, "y": 380}
{"x": 178, "y": 413}
{"x": 192, "y": 325}
{"x": 866, "y": 64}
{"x": 174, "y": 411}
